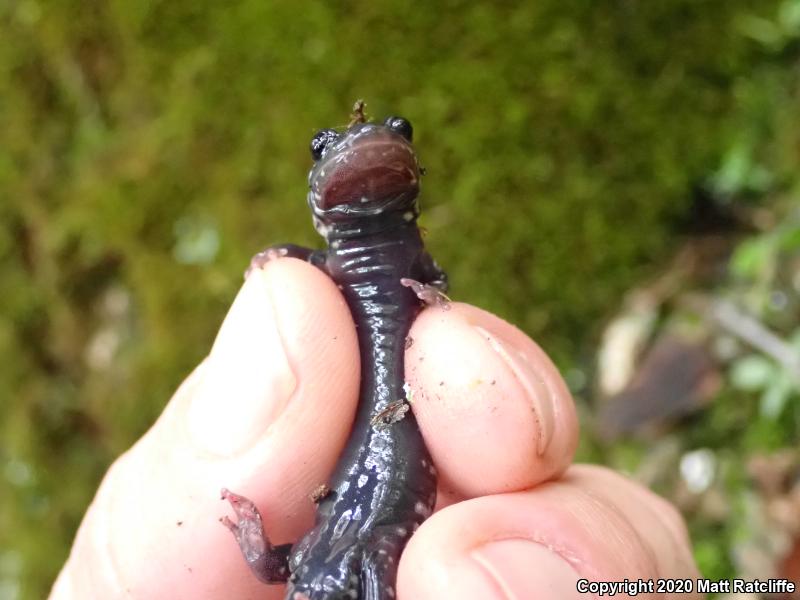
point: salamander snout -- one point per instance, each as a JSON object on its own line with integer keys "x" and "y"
{"x": 366, "y": 164}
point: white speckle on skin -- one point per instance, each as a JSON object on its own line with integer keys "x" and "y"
{"x": 321, "y": 227}
{"x": 402, "y": 531}
{"x": 389, "y": 591}
{"x": 343, "y": 523}
{"x": 421, "y": 509}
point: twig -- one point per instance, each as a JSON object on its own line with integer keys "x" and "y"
{"x": 726, "y": 315}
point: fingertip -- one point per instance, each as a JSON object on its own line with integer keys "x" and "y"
{"x": 286, "y": 352}
{"x": 484, "y": 548}
{"x": 505, "y": 569}
{"x": 659, "y": 519}
{"x": 587, "y": 525}
{"x": 495, "y": 412}
{"x": 316, "y": 324}
{"x": 526, "y": 569}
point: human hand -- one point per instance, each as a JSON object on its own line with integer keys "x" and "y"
{"x": 268, "y": 412}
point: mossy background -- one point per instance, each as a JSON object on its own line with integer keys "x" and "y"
{"x": 148, "y": 149}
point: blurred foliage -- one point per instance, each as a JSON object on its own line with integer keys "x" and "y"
{"x": 756, "y": 413}
{"x": 147, "y": 149}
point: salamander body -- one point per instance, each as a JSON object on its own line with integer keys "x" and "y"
{"x": 363, "y": 192}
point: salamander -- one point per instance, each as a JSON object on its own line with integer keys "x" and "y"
{"x": 363, "y": 195}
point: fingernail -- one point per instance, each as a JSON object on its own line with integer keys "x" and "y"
{"x": 525, "y": 569}
{"x": 533, "y": 382}
{"x": 247, "y": 380}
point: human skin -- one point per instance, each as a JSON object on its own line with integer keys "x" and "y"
{"x": 268, "y": 412}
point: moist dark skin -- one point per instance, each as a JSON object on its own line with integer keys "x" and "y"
{"x": 363, "y": 192}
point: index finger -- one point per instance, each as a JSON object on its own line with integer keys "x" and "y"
{"x": 495, "y": 413}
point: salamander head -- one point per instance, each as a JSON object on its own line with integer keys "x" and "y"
{"x": 366, "y": 170}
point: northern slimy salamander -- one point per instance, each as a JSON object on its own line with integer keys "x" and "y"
{"x": 363, "y": 195}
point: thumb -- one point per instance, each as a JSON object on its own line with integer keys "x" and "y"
{"x": 262, "y": 415}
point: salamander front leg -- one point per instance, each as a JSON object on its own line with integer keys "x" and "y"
{"x": 431, "y": 273}
{"x": 269, "y": 563}
{"x": 430, "y": 293}
{"x": 315, "y": 257}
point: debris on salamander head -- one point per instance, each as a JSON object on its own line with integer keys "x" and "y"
{"x": 391, "y": 414}
{"x": 320, "y": 492}
{"x": 358, "y": 115}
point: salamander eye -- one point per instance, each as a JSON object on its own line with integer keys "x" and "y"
{"x": 321, "y": 140}
{"x": 401, "y": 126}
